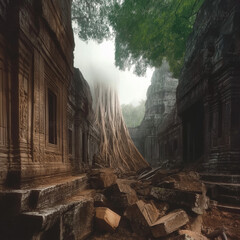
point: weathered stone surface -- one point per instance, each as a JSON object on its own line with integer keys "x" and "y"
{"x": 77, "y": 223}
{"x": 160, "y": 101}
{"x": 209, "y": 85}
{"x": 193, "y": 235}
{"x": 72, "y": 219}
{"x": 106, "y": 219}
{"x": 51, "y": 193}
{"x": 142, "y": 216}
{"x": 102, "y": 178}
{"x": 121, "y": 194}
{"x": 50, "y": 107}
{"x": 186, "y": 181}
{"x": 169, "y": 223}
{"x": 170, "y": 140}
{"x": 196, "y": 202}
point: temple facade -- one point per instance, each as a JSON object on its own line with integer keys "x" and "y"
{"x": 208, "y": 94}
{"x": 47, "y": 134}
{"x": 45, "y": 105}
{"x": 203, "y": 127}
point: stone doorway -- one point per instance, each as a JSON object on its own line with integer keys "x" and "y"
{"x": 193, "y": 133}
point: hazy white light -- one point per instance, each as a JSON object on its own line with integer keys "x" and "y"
{"x": 97, "y": 61}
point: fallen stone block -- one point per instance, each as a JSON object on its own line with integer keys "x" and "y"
{"x": 142, "y": 216}
{"x": 169, "y": 223}
{"x": 102, "y": 178}
{"x": 185, "y": 181}
{"x": 121, "y": 194}
{"x": 106, "y": 219}
{"x": 196, "y": 202}
{"x": 193, "y": 235}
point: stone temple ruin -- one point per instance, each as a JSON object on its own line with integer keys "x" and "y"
{"x": 46, "y": 119}
{"x": 161, "y": 99}
{"x": 203, "y": 126}
{"x": 49, "y": 139}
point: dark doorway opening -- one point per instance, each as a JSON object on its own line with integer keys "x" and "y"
{"x": 193, "y": 133}
{"x": 52, "y": 117}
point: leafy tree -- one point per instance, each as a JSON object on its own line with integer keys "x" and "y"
{"x": 133, "y": 115}
{"x": 149, "y": 30}
{"x": 92, "y": 20}
{"x": 145, "y": 31}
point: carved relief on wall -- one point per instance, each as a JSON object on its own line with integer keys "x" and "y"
{"x": 23, "y": 106}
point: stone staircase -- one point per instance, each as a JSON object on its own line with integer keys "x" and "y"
{"x": 224, "y": 189}
{"x": 59, "y": 208}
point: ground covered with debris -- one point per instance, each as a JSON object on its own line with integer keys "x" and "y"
{"x": 157, "y": 204}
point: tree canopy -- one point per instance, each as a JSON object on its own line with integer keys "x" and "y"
{"x": 145, "y": 31}
{"x": 92, "y": 18}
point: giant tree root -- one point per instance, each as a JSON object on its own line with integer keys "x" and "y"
{"x": 117, "y": 149}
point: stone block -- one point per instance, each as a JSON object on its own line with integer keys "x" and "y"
{"x": 102, "y": 178}
{"x": 73, "y": 218}
{"x": 77, "y": 222}
{"x": 121, "y": 194}
{"x": 46, "y": 195}
{"x": 106, "y": 219}
{"x": 142, "y": 216}
{"x": 194, "y": 201}
{"x": 185, "y": 181}
{"x": 169, "y": 223}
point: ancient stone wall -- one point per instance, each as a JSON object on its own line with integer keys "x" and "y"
{"x": 209, "y": 92}
{"x": 86, "y": 134}
{"x": 38, "y": 102}
{"x": 170, "y": 139}
{"x": 161, "y": 97}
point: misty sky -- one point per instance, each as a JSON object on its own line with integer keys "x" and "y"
{"x": 96, "y": 61}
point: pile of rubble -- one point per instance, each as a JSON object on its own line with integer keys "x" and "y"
{"x": 156, "y": 204}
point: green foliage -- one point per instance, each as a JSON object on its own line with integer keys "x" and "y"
{"x": 149, "y": 30}
{"x": 145, "y": 31}
{"x": 91, "y": 17}
{"x": 133, "y": 115}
